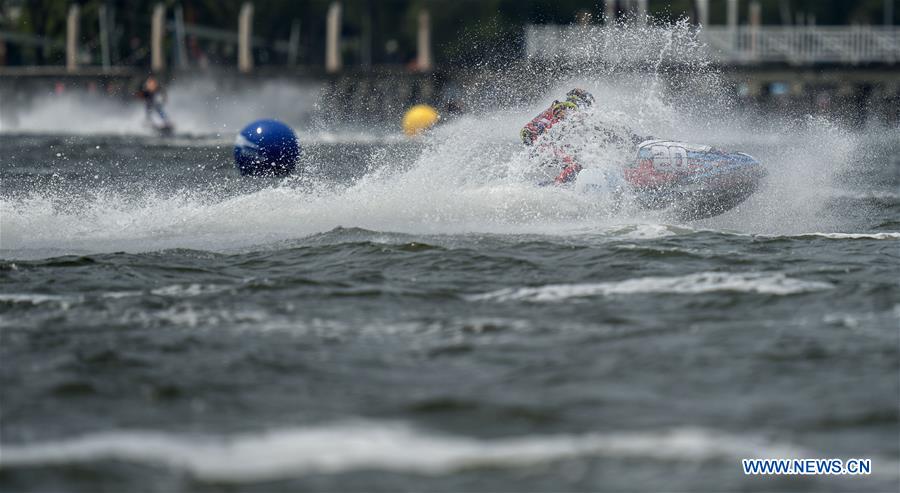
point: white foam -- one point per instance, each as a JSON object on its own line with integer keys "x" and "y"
{"x": 37, "y": 298}
{"x": 867, "y": 195}
{"x": 336, "y": 448}
{"x": 189, "y": 290}
{"x": 648, "y": 231}
{"x": 703, "y": 282}
{"x": 78, "y": 114}
{"x": 67, "y": 300}
{"x": 197, "y": 107}
{"x": 852, "y": 236}
{"x": 437, "y": 195}
{"x": 472, "y": 175}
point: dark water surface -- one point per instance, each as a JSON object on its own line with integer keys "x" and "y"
{"x": 641, "y": 355}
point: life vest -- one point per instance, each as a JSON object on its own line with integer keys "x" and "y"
{"x": 541, "y": 123}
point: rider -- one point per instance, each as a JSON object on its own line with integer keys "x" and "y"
{"x": 154, "y": 96}
{"x": 576, "y": 99}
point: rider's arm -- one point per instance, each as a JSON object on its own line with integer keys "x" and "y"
{"x": 568, "y": 174}
{"x": 571, "y": 169}
{"x": 546, "y": 119}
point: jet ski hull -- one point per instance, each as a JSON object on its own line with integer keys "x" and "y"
{"x": 693, "y": 181}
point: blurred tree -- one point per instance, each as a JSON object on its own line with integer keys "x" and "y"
{"x": 47, "y": 18}
{"x": 384, "y": 31}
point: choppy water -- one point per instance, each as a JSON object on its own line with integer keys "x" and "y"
{"x": 385, "y": 323}
{"x": 420, "y": 316}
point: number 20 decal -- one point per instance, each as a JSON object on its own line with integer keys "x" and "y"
{"x": 666, "y": 156}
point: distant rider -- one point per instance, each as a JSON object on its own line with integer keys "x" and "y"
{"x": 154, "y": 97}
{"x": 576, "y": 100}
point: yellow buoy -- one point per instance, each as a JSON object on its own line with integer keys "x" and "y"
{"x": 419, "y": 118}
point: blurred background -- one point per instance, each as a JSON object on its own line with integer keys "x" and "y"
{"x": 415, "y": 313}
{"x": 367, "y": 60}
{"x": 373, "y": 33}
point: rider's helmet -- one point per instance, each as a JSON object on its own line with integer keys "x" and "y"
{"x": 580, "y": 97}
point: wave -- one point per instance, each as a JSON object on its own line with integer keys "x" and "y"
{"x": 885, "y": 195}
{"x": 703, "y": 282}
{"x": 37, "y": 298}
{"x": 170, "y": 291}
{"x": 842, "y": 236}
{"x": 342, "y": 447}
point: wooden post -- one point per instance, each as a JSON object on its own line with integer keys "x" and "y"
{"x": 114, "y": 35}
{"x": 157, "y": 58}
{"x": 72, "y": 36}
{"x": 703, "y": 12}
{"x": 755, "y": 14}
{"x": 755, "y": 20}
{"x": 610, "y": 12}
{"x": 245, "y": 38}
{"x": 423, "y": 55}
{"x": 732, "y": 15}
{"x": 365, "y": 37}
{"x": 294, "y": 43}
{"x": 180, "y": 47}
{"x": 103, "y": 18}
{"x": 333, "y": 39}
{"x": 642, "y": 11}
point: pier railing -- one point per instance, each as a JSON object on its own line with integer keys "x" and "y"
{"x": 805, "y": 45}
{"x": 742, "y": 45}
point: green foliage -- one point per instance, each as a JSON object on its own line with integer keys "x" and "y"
{"x": 464, "y": 31}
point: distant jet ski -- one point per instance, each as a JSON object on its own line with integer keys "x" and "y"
{"x": 154, "y": 96}
{"x": 693, "y": 181}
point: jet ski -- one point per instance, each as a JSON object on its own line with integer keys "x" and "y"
{"x": 691, "y": 181}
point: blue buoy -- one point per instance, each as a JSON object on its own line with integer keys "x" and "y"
{"x": 266, "y": 148}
